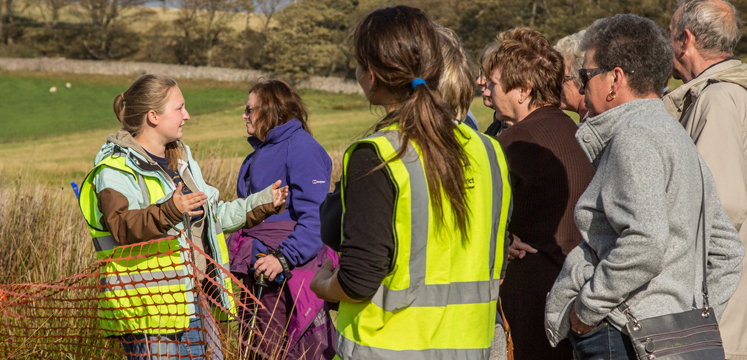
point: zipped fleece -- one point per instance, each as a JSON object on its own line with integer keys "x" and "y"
{"x": 131, "y": 221}
{"x": 291, "y": 155}
{"x": 640, "y": 215}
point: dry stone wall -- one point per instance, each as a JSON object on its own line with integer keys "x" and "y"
{"x": 176, "y": 71}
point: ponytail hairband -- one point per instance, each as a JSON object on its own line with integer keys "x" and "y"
{"x": 123, "y": 99}
{"x": 417, "y": 81}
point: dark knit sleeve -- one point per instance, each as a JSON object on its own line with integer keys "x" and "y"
{"x": 367, "y": 248}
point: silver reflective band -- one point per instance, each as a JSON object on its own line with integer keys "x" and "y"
{"x": 143, "y": 189}
{"x": 348, "y": 350}
{"x": 437, "y": 295}
{"x": 497, "y": 179}
{"x": 143, "y": 280}
{"x": 418, "y": 293}
{"x": 419, "y": 209}
{"x": 103, "y": 243}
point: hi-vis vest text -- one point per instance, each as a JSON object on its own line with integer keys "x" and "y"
{"x": 440, "y": 299}
{"x": 150, "y": 306}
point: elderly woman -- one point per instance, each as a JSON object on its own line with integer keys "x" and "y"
{"x": 497, "y": 125}
{"x": 570, "y": 98}
{"x": 548, "y": 173}
{"x": 639, "y": 216}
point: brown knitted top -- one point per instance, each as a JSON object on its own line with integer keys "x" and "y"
{"x": 549, "y": 172}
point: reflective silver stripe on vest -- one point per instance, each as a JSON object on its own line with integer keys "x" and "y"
{"x": 468, "y": 292}
{"x": 418, "y": 293}
{"x": 103, "y": 243}
{"x": 143, "y": 189}
{"x": 495, "y": 172}
{"x": 145, "y": 279}
{"x": 348, "y": 350}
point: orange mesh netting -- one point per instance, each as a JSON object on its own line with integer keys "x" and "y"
{"x": 92, "y": 314}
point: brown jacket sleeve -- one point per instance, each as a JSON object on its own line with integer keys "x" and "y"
{"x": 260, "y": 213}
{"x": 134, "y": 226}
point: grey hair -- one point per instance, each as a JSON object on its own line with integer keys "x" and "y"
{"x": 714, "y": 23}
{"x": 570, "y": 48}
{"x": 636, "y": 45}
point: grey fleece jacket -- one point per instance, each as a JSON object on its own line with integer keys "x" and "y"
{"x": 640, "y": 216}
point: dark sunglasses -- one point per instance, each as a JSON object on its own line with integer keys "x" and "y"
{"x": 248, "y": 110}
{"x": 586, "y": 74}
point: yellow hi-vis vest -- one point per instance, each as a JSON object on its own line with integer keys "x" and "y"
{"x": 439, "y": 300}
{"x": 150, "y": 294}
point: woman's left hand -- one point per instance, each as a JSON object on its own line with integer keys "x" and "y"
{"x": 576, "y": 324}
{"x": 270, "y": 265}
{"x": 279, "y": 194}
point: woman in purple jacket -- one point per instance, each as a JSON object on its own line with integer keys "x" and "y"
{"x": 276, "y": 121}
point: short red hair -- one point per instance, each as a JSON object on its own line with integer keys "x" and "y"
{"x": 526, "y": 60}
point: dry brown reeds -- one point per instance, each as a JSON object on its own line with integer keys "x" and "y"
{"x": 43, "y": 236}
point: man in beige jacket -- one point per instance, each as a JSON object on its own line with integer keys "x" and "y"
{"x": 712, "y": 106}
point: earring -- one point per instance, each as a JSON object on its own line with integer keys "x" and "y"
{"x": 612, "y": 94}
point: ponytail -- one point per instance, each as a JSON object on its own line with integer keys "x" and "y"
{"x": 119, "y": 104}
{"x": 401, "y": 47}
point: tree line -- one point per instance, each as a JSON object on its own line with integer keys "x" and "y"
{"x": 294, "y": 38}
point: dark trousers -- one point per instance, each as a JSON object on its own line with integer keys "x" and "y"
{"x": 603, "y": 343}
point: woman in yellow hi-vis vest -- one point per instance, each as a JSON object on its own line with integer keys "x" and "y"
{"x": 143, "y": 180}
{"x": 425, "y": 206}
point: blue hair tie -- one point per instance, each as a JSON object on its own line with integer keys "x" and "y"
{"x": 417, "y": 81}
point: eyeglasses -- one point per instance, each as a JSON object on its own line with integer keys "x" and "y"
{"x": 586, "y": 74}
{"x": 248, "y": 110}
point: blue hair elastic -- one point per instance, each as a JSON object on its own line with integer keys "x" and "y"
{"x": 417, "y": 81}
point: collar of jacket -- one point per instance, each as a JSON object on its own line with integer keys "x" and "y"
{"x": 278, "y": 134}
{"x": 138, "y": 159}
{"x": 674, "y": 102}
{"x": 594, "y": 134}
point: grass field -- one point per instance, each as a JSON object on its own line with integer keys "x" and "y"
{"x": 53, "y": 137}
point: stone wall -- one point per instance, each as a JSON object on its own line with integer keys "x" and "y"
{"x": 176, "y": 71}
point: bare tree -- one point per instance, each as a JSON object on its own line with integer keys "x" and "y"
{"x": 248, "y": 7}
{"x": 109, "y": 36}
{"x": 201, "y": 25}
{"x": 8, "y": 26}
{"x": 269, "y": 8}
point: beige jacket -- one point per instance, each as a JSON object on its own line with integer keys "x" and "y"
{"x": 713, "y": 110}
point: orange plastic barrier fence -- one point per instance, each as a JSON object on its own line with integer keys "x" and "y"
{"x": 145, "y": 313}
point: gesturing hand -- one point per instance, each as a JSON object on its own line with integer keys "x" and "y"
{"x": 187, "y": 203}
{"x": 519, "y": 249}
{"x": 279, "y": 194}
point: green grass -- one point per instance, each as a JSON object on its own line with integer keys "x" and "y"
{"x": 30, "y": 111}
{"x": 54, "y": 137}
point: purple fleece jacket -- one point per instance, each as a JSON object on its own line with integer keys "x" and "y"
{"x": 292, "y": 155}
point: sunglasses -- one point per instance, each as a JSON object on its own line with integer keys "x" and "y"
{"x": 586, "y": 74}
{"x": 248, "y": 110}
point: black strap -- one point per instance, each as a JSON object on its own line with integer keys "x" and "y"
{"x": 701, "y": 221}
{"x": 283, "y": 261}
